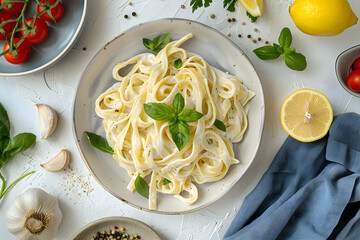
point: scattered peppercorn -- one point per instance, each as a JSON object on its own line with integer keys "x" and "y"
{"x": 242, "y": 23}
{"x": 255, "y": 29}
{"x": 182, "y": 6}
{"x": 130, "y": 3}
{"x": 116, "y": 227}
{"x": 259, "y": 39}
{"x": 249, "y": 36}
{"x": 212, "y": 16}
{"x": 254, "y": 40}
{"x": 229, "y": 19}
{"x": 266, "y": 42}
{"x": 134, "y": 14}
{"x": 126, "y": 16}
{"x": 239, "y": 35}
{"x": 228, "y": 34}
{"x": 233, "y": 19}
{"x": 84, "y": 48}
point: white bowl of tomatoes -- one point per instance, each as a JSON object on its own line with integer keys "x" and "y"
{"x": 347, "y": 68}
{"x": 35, "y": 34}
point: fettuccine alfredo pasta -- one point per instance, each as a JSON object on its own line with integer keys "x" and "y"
{"x": 144, "y": 146}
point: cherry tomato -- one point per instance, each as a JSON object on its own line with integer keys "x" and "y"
{"x": 9, "y": 27}
{"x": 41, "y": 34}
{"x": 353, "y": 80}
{"x": 57, "y": 12}
{"x": 15, "y": 9}
{"x": 357, "y": 63}
{"x": 23, "y": 52}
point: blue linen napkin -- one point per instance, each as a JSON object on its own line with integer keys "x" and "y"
{"x": 311, "y": 191}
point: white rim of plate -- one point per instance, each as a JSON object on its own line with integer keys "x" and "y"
{"x": 58, "y": 57}
{"x": 78, "y": 140}
{"x": 105, "y": 219}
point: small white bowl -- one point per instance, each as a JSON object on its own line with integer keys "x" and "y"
{"x": 343, "y": 67}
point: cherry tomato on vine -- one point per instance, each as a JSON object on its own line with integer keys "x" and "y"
{"x": 23, "y": 52}
{"x": 15, "y": 8}
{"x": 41, "y": 34}
{"x": 353, "y": 80}
{"x": 9, "y": 27}
{"x": 57, "y": 12}
{"x": 357, "y": 63}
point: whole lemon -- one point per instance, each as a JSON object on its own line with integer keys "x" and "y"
{"x": 322, "y": 17}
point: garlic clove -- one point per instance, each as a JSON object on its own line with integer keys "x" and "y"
{"x": 59, "y": 162}
{"x": 47, "y": 120}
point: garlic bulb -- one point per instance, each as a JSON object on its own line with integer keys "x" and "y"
{"x": 34, "y": 215}
{"x": 47, "y": 120}
{"x": 59, "y": 162}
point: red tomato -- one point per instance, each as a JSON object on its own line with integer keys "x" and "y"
{"x": 357, "y": 63}
{"x": 57, "y": 12}
{"x": 353, "y": 80}
{"x": 23, "y": 52}
{"x": 9, "y": 27}
{"x": 41, "y": 34}
{"x": 14, "y": 9}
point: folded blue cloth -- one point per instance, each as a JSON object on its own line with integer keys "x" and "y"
{"x": 311, "y": 191}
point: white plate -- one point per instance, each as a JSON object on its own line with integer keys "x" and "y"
{"x": 132, "y": 226}
{"x": 220, "y": 52}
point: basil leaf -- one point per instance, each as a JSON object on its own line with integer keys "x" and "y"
{"x": 285, "y": 38}
{"x": 280, "y": 50}
{"x": 295, "y": 61}
{"x": 158, "y": 111}
{"x": 180, "y": 132}
{"x": 148, "y": 44}
{"x": 166, "y": 181}
{"x": 161, "y": 41}
{"x": 4, "y": 122}
{"x": 267, "y": 52}
{"x": 142, "y": 187}
{"x": 253, "y": 19}
{"x": 99, "y": 142}
{"x": 288, "y": 50}
{"x": 173, "y": 120}
{"x": 189, "y": 115}
{"x": 3, "y": 143}
{"x": 178, "y": 63}
{"x": 178, "y": 103}
{"x": 17, "y": 144}
{"x": 220, "y": 125}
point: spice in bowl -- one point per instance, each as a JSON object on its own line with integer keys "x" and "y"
{"x": 115, "y": 234}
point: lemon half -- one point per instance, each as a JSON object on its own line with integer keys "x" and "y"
{"x": 254, "y": 7}
{"x": 306, "y": 115}
{"x": 322, "y": 17}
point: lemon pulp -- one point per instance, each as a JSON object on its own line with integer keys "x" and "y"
{"x": 306, "y": 115}
{"x": 254, "y": 7}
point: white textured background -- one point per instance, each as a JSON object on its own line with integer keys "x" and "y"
{"x": 81, "y": 199}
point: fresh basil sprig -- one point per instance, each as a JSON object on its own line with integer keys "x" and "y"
{"x": 178, "y": 63}
{"x": 166, "y": 181}
{"x": 157, "y": 43}
{"x": 293, "y": 60}
{"x": 142, "y": 187}
{"x": 253, "y": 19}
{"x": 9, "y": 147}
{"x": 99, "y": 142}
{"x": 220, "y": 125}
{"x": 177, "y": 117}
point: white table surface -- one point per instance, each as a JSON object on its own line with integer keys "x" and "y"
{"x": 81, "y": 198}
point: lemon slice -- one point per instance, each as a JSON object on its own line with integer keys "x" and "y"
{"x": 254, "y": 7}
{"x": 306, "y": 115}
